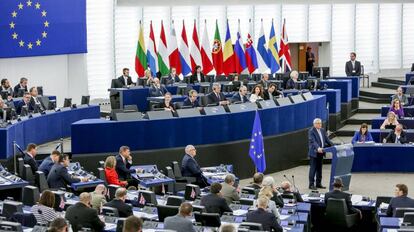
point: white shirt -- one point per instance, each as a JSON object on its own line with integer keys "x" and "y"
{"x": 126, "y": 80}
{"x": 321, "y": 137}
{"x": 353, "y": 64}
{"x": 254, "y": 98}
{"x": 198, "y": 77}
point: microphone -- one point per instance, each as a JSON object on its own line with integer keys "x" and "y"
{"x": 294, "y": 185}
{"x": 339, "y": 138}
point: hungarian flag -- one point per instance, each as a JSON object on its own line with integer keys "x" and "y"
{"x": 217, "y": 52}
{"x": 141, "y": 56}
{"x": 163, "y": 62}
{"x": 206, "y": 52}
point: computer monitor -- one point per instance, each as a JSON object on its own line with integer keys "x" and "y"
{"x": 128, "y": 116}
{"x": 214, "y": 110}
{"x": 67, "y": 102}
{"x": 266, "y": 104}
{"x": 283, "y": 101}
{"x": 146, "y": 198}
{"x": 186, "y": 113}
{"x": 4, "y": 94}
{"x": 40, "y": 90}
{"x": 296, "y": 98}
{"x": 317, "y": 72}
{"x": 243, "y": 107}
{"x": 192, "y": 191}
{"x": 166, "y": 211}
{"x": 24, "y": 111}
{"x": 85, "y": 100}
{"x": 115, "y": 83}
{"x": 163, "y": 114}
{"x": 21, "y": 92}
{"x": 307, "y": 96}
{"x": 392, "y": 127}
{"x": 11, "y": 226}
{"x": 11, "y": 207}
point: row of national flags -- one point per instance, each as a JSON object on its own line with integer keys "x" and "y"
{"x": 215, "y": 58}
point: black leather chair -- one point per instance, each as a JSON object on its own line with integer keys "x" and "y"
{"x": 31, "y": 195}
{"x": 408, "y": 219}
{"x": 110, "y": 211}
{"x": 20, "y": 166}
{"x": 120, "y": 224}
{"x": 102, "y": 164}
{"x": 101, "y": 175}
{"x": 252, "y": 226}
{"x": 382, "y": 199}
{"x": 249, "y": 190}
{"x": 400, "y": 212}
{"x": 11, "y": 207}
{"x": 192, "y": 192}
{"x": 41, "y": 181}
{"x": 178, "y": 176}
{"x": 166, "y": 211}
{"x": 28, "y": 174}
{"x": 337, "y": 217}
{"x": 203, "y": 101}
{"x": 175, "y": 200}
{"x": 246, "y": 201}
{"x": 208, "y": 219}
{"x": 178, "y": 185}
{"x": 112, "y": 189}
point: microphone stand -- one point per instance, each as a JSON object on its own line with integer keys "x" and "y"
{"x": 15, "y": 158}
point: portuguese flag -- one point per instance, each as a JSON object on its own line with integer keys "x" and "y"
{"x": 217, "y": 52}
{"x": 141, "y": 56}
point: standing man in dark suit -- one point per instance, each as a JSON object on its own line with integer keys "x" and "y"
{"x": 59, "y": 177}
{"x": 157, "y": 90}
{"x": 214, "y": 202}
{"x": 124, "y": 209}
{"x": 29, "y": 157}
{"x": 35, "y": 103}
{"x": 338, "y": 194}
{"x": 22, "y": 85}
{"x": 216, "y": 96}
{"x": 241, "y": 95}
{"x": 190, "y": 167}
{"x": 123, "y": 165}
{"x": 353, "y": 67}
{"x": 125, "y": 79}
{"x": 318, "y": 140}
{"x": 400, "y": 200}
{"x": 197, "y": 76}
{"x": 260, "y": 215}
{"x": 310, "y": 59}
{"x": 191, "y": 100}
{"x": 82, "y": 215}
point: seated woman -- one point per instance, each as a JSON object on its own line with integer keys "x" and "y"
{"x": 267, "y": 192}
{"x": 111, "y": 174}
{"x": 396, "y": 107}
{"x": 167, "y": 104}
{"x": 44, "y": 211}
{"x": 391, "y": 120}
{"x": 257, "y": 93}
{"x": 291, "y": 83}
{"x": 363, "y": 135}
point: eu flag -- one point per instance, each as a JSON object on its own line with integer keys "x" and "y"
{"x": 256, "y": 151}
{"x": 42, "y": 27}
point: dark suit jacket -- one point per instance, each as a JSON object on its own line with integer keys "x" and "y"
{"x": 264, "y": 83}
{"x": 214, "y": 204}
{"x": 309, "y": 64}
{"x": 30, "y": 161}
{"x": 412, "y": 67}
{"x": 290, "y": 84}
{"x": 190, "y": 167}
{"x": 268, "y": 96}
{"x": 278, "y": 200}
{"x": 59, "y": 177}
{"x": 162, "y": 105}
{"x": 399, "y": 202}
{"x": 212, "y": 98}
{"x": 124, "y": 209}
{"x": 267, "y": 219}
{"x": 237, "y": 98}
{"x": 173, "y": 78}
{"x": 20, "y": 105}
{"x": 193, "y": 78}
{"x": 122, "y": 168}
{"x": 391, "y": 137}
{"x": 46, "y": 165}
{"x": 158, "y": 92}
{"x": 122, "y": 80}
{"x": 79, "y": 215}
{"x": 32, "y": 104}
{"x": 254, "y": 186}
{"x": 297, "y": 195}
{"x": 337, "y": 194}
{"x": 353, "y": 72}
{"x": 187, "y": 102}
{"x": 315, "y": 141}
{"x": 16, "y": 90}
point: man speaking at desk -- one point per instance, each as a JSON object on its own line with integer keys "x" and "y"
{"x": 318, "y": 140}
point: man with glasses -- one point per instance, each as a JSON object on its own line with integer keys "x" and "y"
{"x": 191, "y": 100}
{"x": 241, "y": 95}
{"x": 24, "y": 102}
{"x": 190, "y": 167}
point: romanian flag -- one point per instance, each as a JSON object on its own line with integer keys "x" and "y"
{"x": 141, "y": 56}
{"x": 228, "y": 54}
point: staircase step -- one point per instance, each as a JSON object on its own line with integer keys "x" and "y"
{"x": 396, "y": 81}
{"x": 345, "y": 133}
{"x": 378, "y": 93}
{"x": 357, "y": 121}
{"x": 384, "y": 85}
{"x": 369, "y": 111}
{"x": 374, "y": 100}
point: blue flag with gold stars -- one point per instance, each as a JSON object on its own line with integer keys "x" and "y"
{"x": 42, "y": 27}
{"x": 256, "y": 151}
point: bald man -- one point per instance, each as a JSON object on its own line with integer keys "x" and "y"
{"x": 98, "y": 197}
{"x": 82, "y": 215}
{"x": 181, "y": 222}
{"x": 287, "y": 189}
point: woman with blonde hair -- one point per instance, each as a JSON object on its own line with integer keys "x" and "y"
{"x": 391, "y": 120}
{"x": 111, "y": 174}
{"x": 267, "y": 192}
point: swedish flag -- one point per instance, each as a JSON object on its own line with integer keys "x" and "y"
{"x": 273, "y": 51}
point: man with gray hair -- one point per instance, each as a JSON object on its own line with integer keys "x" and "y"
{"x": 228, "y": 228}
{"x": 261, "y": 216}
{"x": 318, "y": 140}
{"x": 157, "y": 90}
{"x": 190, "y": 167}
{"x": 124, "y": 209}
{"x": 181, "y": 222}
{"x": 216, "y": 97}
{"x": 228, "y": 191}
{"x": 241, "y": 95}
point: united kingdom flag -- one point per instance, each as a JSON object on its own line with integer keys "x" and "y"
{"x": 142, "y": 199}
{"x": 284, "y": 52}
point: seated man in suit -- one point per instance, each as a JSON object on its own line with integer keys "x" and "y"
{"x": 260, "y": 215}
{"x": 157, "y": 90}
{"x": 272, "y": 92}
{"x": 216, "y": 97}
{"x": 228, "y": 191}
{"x": 35, "y": 103}
{"x": 5, "y": 86}
{"x": 214, "y": 202}
{"x": 173, "y": 77}
{"x": 5, "y": 111}
{"x": 287, "y": 189}
{"x": 264, "y": 81}
{"x": 124, "y": 209}
{"x": 338, "y": 194}
{"x": 22, "y": 85}
{"x": 133, "y": 224}
{"x": 400, "y": 96}
{"x": 82, "y": 215}
{"x": 190, "y": 167}
{"x": 397, "y": 136}
{"x": 59, "y": 177}
{"x": 291, "y": 83}
{"x": 125, "y": 79}
{"x": 241, "y": 95}
{"x": 197, "y": 76}
{"x": 181, "y": 222}
{"x": 123, "y": 165}
{"x": 191, "y": 100}
{"x": 48, "y": 162}
{"x": 29, "y": 157}
{"x": 257, "y": 181}
{"x": 353, "y": 67}
{"x": 400, "y": 200}
{"x": 25, "y": 102}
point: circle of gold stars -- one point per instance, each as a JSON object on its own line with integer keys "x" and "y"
{"x": 29, "y": 44}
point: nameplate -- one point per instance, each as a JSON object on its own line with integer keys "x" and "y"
{"x": 65, "y": 109}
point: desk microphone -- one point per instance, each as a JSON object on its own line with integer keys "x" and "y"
{"x": 294, "y": 185}
{"x": 336, "y": 136}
